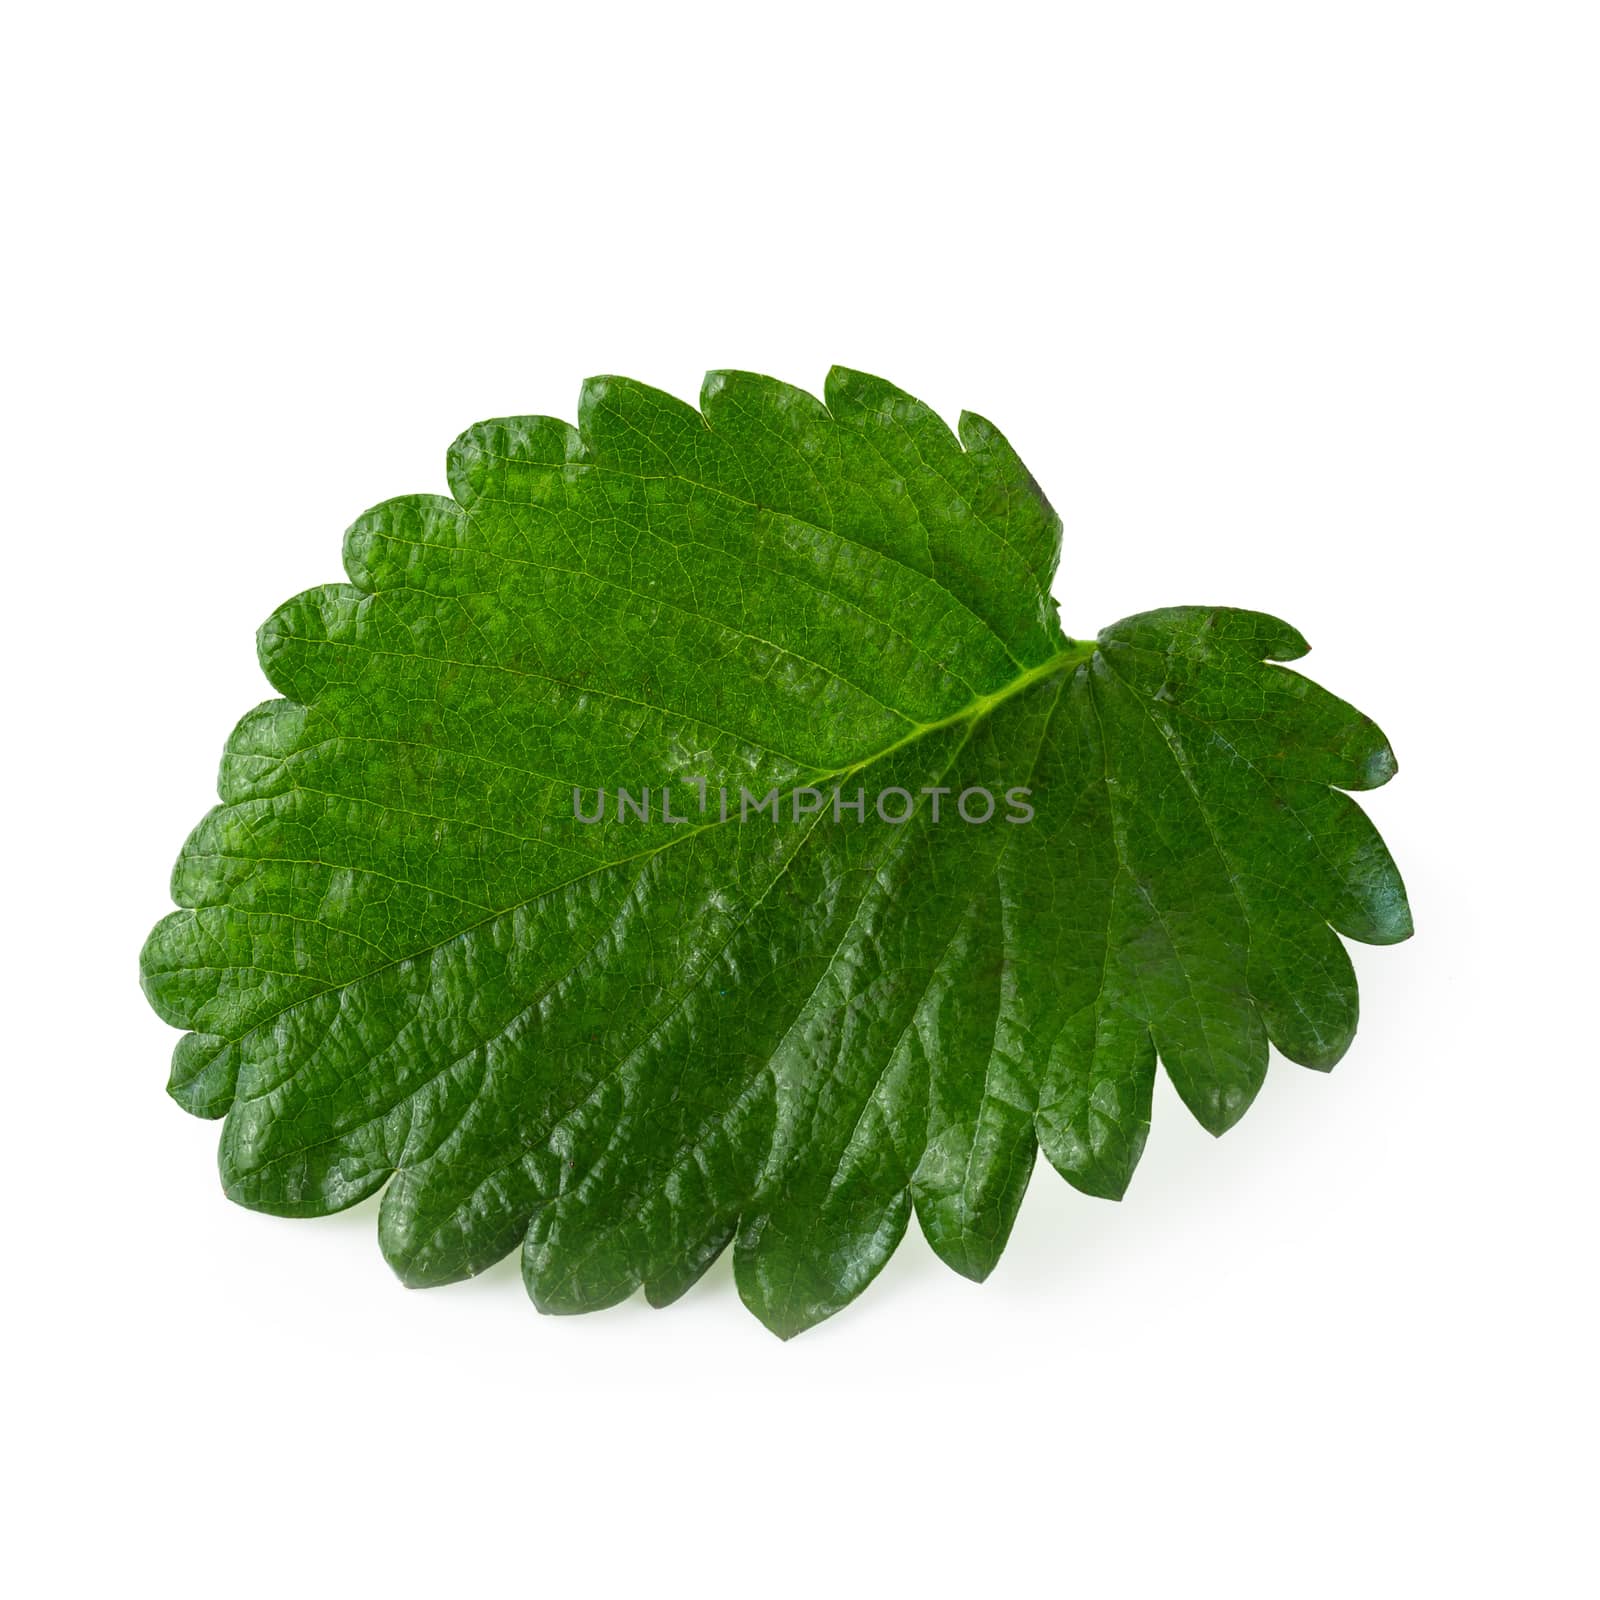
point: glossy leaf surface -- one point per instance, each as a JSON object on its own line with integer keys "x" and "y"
{"x": 406, "y": 964}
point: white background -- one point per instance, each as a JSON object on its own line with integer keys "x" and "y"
{"x": 1288, "y": 306}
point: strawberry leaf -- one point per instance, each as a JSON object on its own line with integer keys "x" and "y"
{"x": 410, "y": 962}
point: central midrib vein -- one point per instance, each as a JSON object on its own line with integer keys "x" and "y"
{"x": 1071, "y": 655}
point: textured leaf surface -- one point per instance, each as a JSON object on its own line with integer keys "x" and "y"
{"x": 406, "y": 965}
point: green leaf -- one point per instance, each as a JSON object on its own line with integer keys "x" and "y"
{"x": 407, "y": 965}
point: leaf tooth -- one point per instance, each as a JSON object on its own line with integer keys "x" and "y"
{"x": 511, "y": 458}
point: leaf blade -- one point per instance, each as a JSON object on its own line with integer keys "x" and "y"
{"x": 407, "y": 965}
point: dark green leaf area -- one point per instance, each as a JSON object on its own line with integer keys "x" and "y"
{"x": 406, "y": 963}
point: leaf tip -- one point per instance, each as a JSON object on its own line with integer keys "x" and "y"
{"x": 1380, "y": 767}
{"x": 1219, "y": 1108}
{"x": 968, "y": 1261}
